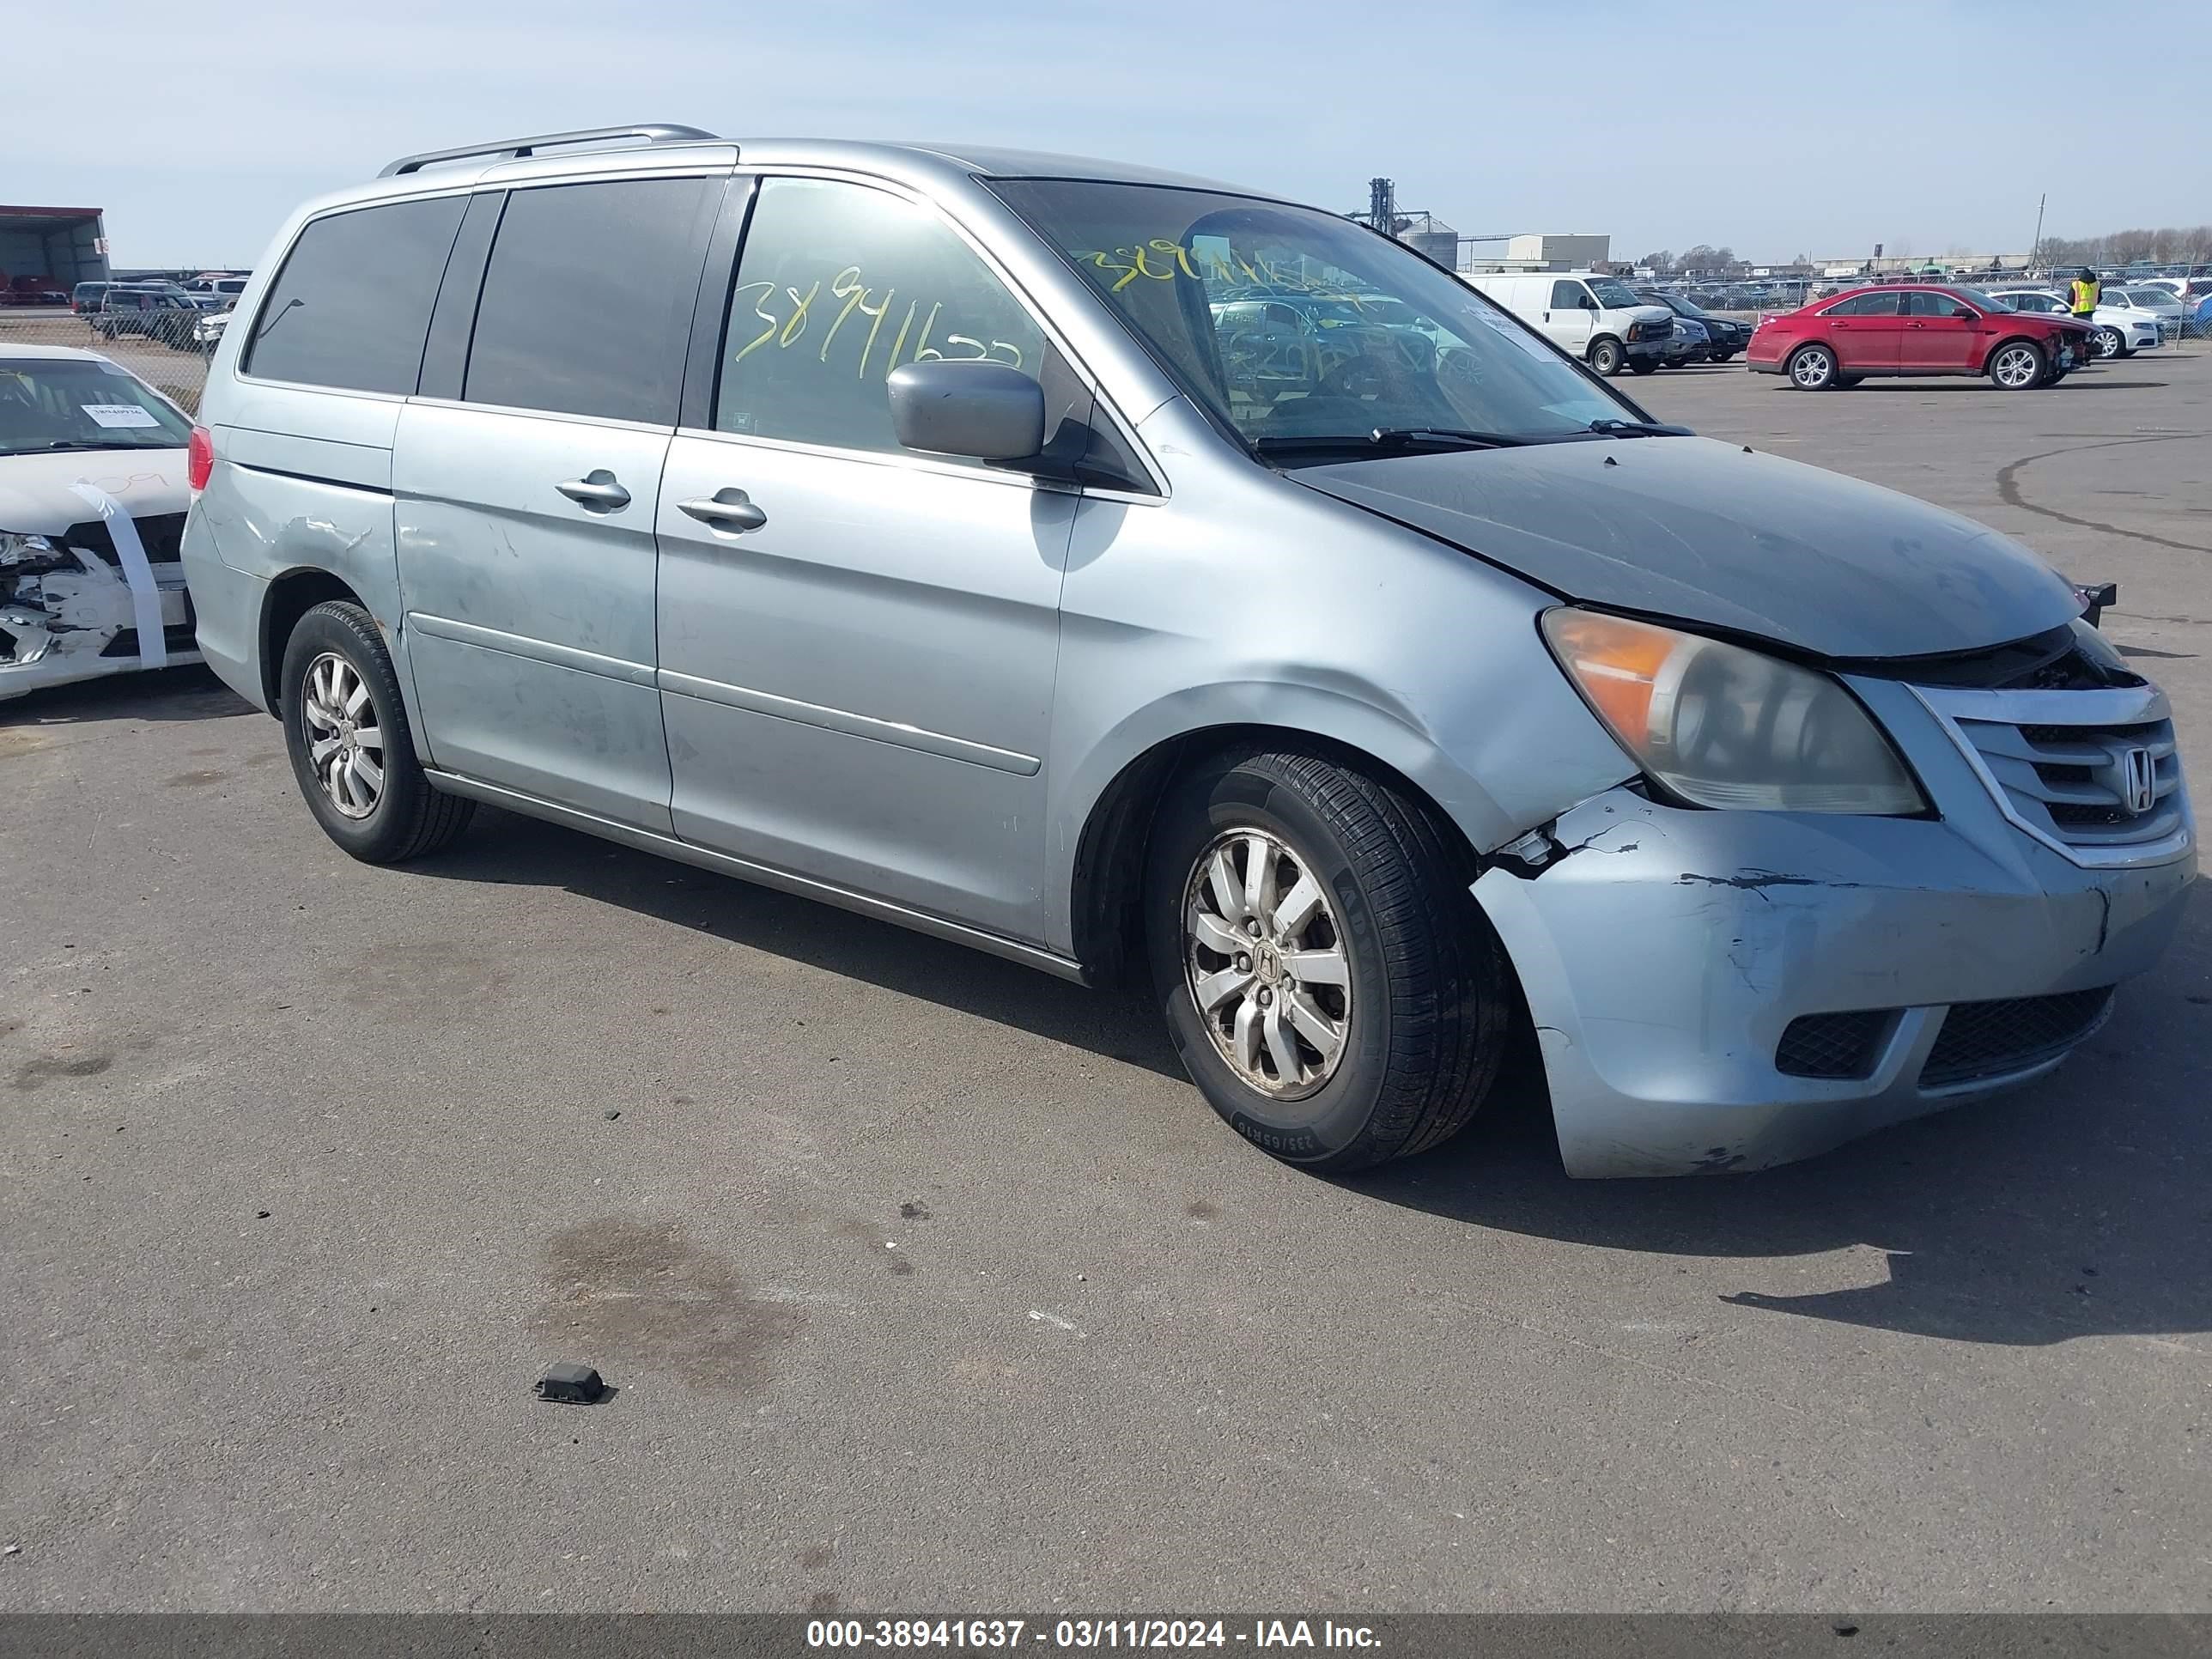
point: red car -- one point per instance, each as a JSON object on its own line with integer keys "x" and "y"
{"x": 1918, "y": 329}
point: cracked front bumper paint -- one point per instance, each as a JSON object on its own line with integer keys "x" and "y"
{"x": 1665, "y": 955}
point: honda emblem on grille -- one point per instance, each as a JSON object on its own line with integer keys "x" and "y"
{"x": 2138, "y": 779}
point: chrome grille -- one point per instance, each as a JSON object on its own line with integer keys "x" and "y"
{"x": 2086, "y": 785}
{"x": 2093, "y": 773}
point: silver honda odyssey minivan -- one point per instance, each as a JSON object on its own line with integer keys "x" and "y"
{"x": 1150, "y": 579}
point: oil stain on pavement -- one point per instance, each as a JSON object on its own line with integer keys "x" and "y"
{"x": 634, "y": 1296}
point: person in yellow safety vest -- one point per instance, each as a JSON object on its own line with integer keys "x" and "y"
{"x": 2083, "y": 292}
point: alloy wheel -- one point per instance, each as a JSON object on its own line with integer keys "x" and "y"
{"x": 345, "y": 746}
{"x": 1267, "y": 963}
{"x": 2109, "y": 342}
{"x": 1812, "y": 369}
{"x": 2016, "y": 365}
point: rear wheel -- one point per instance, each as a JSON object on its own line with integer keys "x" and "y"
{"x": 352, "y": 753}
{"x": 1606, "y": 356}
{"x": 1331, "y": 985}
{"x": 2016, "y": 365}
{"x": 1812, "y": 368}
{"x": 1643, "y": 365}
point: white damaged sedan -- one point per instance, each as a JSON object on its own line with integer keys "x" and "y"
{"x": 93, "y": 493}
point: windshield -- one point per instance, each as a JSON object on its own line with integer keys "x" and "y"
{"x": 2150, "y": 296}
{"x": 1352, "y": 334}
{"x": 65, "y": 403}
{"x": 1611, "y": 294}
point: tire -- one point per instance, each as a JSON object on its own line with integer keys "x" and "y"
{"x": 1811, "y": 368}
{"x": 403, "y": 818}
{"x": 1644, "y": 366}
{"x": 1606, "y": 357}
{"x": 1420, "y": 1015}
{"x": 2017, "y": 365}
{"x": 2111, "y": 343}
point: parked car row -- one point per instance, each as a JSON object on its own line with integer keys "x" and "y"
{"x": 1596, "y": 317}
{"x": 175, "y": 314}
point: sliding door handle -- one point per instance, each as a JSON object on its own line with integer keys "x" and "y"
{"x": 596, "y": 492}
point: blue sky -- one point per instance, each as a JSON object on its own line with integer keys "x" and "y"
{"x": 1811, "y": 129}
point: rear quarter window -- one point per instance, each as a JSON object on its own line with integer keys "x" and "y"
{"x": 587, "y": 298}
{"x": 351, "y": 307}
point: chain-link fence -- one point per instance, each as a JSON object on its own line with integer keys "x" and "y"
{"x": 155, "y": 343}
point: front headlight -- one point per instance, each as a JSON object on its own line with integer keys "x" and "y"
{"x": 1719, "y": 725}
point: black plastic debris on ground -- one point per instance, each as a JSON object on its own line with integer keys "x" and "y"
{"x": 571, "y": 1385}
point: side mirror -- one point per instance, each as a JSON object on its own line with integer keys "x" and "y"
{"x": 984, "y": 411}
{"x": 1590, "y": 302}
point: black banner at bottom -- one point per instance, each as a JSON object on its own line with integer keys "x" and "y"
{"x": 1410, "y": 1636}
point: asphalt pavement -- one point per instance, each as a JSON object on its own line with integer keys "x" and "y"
{"x": 927, "y": 1282}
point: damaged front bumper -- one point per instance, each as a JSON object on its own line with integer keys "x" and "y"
{"x": 67, "y": 616}
{"x": 1676, "y": 961}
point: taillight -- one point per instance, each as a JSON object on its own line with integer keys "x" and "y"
{"x": 199, "y": 459}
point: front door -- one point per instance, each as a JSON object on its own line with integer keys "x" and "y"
{"x": 1566, "y": 320}
{"x": 1941, "y": 335}
{"x": 858, "y": 643}
{"x": 526, "y": 507}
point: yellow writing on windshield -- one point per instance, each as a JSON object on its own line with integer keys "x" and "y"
{"x": 1162, "y": 259}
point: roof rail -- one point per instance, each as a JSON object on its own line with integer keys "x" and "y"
{"x": 515, "y": 149}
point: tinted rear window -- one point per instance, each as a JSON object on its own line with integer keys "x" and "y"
{"x": 352, "y": 304}
{"x": 587, "y": 300}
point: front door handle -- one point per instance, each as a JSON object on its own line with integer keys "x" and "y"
{"x": 596, "y": 492}
{"x": 729, "y": 509}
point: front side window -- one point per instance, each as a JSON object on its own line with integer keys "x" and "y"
{"x": 837, "y": 285}
{"x": 1390, "y": 342}
{"x": 351, "y": 307}
{"x": 1567, "y": 297}
{"x": 1924, "y": 304}
{"x": 587, "y": 298}
{"x": 61, "y": 404}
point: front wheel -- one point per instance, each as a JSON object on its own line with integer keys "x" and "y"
{"x": 1333, "y": 988}
{"x": 1812, "y": 368}
{"x": 2016, "y": 365}
{"x": 2111, "y": 343}
{"x": 1606, "y": 356}
{"x": 352, "y": 753}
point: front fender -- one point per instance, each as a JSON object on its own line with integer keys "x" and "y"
{"x": 1248, "y": 599}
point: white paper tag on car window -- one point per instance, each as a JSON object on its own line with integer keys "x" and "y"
{"x": 119, "y": 415}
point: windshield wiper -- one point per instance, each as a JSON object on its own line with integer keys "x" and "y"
{"x": 1381, "y": 439}
{"x": 1614, "y": 429}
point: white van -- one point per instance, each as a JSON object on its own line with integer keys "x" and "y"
{"x": 1597, "y": 317}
